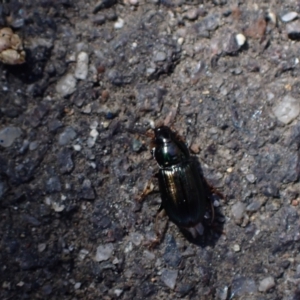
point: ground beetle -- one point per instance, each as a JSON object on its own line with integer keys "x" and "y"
{"x": 182, "y": 188}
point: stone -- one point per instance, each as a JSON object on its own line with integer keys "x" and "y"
{"x": 8, "y": 135}
{"x": 238, "y": 210}
{"x": 290, "y": 16}
{"x": 104, "y": 252}
{"x": 87, "y": 191}
{"x": 172, "y": 255}
{"x": 119, "y": 24}
{"x": 266, "y": 284}
{"x": 242, "y": 286}
{"x": 67, "y": 136}
{"x": 287, "y": 109}
{"x": 66, "y": 85}
{"x": 160, "y": 56}
{"x": 136, "y": 238}
{"x": 169, "y": 277}
{"x": 65, "y": 162}
{"x": 82, "y": 66}
{"x": 11, "y": 48}
{"x": 240, "y": 39}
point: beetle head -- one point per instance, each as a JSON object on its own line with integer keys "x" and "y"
{"x": 163, "y": 134}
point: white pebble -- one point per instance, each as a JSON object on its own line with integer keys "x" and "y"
{"x": 236, "y": 248}
{"x": 57, "y": 207}
{"x": 66, "y": 85}
{"x": 272, "y": 17}
{"x": 240, "y": 39}
{"x": 82, "y": 254}
{"x": 82, "y": 66}
{"x": 251, "y": 178}
{"x": 238, "y": 210}
{"x": 287, "y": 109}
{"x": 41, "y": 247}
{"x": 266, "y": 284}
{"x": 119, "y": 24}
{"x": 134, "y": 2}
{"x": 8, "y": 136}
{"x": 180, "y": 41}
{"x": 77, "y": 147}
{"x": 118, "y": 292}
{"x": 104, "y": 252}
{"x": 94, "y": 133}
{"x": 77, "y": 285}
{"x": 21, "y": 283}
{"x": 169, "y": 277}
{"x": 290, "y": 16}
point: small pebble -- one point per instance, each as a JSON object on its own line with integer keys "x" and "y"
{"x": 169, "y": 277}
{"x": 236, "y": 248}
{"x": 287, "y": 109}
{"x": 41, "y": 247}
{"x": 272, "y": 17}
{"x": 8, "y": 135}
{"x": 290, "y": 16}
{"x": 254, "y": 206}
{"x": 266, "y": 284}
{"x": 134, "y": 2}
{"x": 82, "y": 66}
{"x": 87, "y": 191}
{"x": 229, "y": 170}
{"x": 104, "y": 252}
{"x": 20, "y": 284}
{"x": 33, "y": 145}
{"x": 82, "y": 254}
{"x": 160, "y": 56}
{"x": 192, "y": 14}
{"x": 58, "y": 207}
{"x": 240, "y": 39}
{"x": 77, "y": 147}
{"x": 136, "y": 238}
{"x": 136, "y": 145}
{"x": 77, "y": 285}
{"x": 67, "y": 136}
{"x": 94, "y": 133}
{"x": 118, "y": 292}
{"x": 66, "y": 85}
{"x": 238, "y": 210}
{"x": 180, "y": 41}
{"x": 119, "y": 24}
{"x": 65, "y": 161}
{"x": 251, "y": 178}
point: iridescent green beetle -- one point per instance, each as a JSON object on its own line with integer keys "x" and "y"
{"x": 182, "y": 188}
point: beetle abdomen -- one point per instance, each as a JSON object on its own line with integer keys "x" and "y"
{"x": 183, "y": 194}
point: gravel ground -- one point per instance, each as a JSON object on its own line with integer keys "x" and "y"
{"x": 224, "y": 73}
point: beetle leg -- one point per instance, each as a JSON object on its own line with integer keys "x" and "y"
{"x": 213, "y": 190}
{"x": 149, "y": 188}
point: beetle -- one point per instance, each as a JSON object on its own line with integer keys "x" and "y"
{"x": 183, "y": 189}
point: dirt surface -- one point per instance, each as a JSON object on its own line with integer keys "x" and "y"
{"x": 73, "y": 157}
